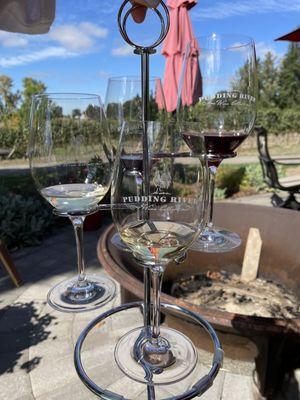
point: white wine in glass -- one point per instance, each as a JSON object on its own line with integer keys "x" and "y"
{"x": 169, "y": 194}
{"x": 71, "y": 166}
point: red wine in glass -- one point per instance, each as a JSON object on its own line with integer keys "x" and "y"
{"x": 218, "y": 146}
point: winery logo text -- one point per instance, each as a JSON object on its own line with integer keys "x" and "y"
{"x": 159, "y": 199}
{"x": 226, "y": 98}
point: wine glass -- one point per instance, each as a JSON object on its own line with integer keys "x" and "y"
{"x": 71, "y": 166}
{"x": 123, "y": 102}
{"x": 224, "y": 106}
{"x": 159, "y": 221}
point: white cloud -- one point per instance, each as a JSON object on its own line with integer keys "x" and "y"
{"x": 71, "y": 38}
{"x": 94, "y": 30}
{"x": 8, "y": 39}
{"x": 233, "y": 8}
{"x": 49, "y": 52}
{"x": 122, "y": 51}
{"x": 79, "y": 38}
{"x": 63, "y": 41}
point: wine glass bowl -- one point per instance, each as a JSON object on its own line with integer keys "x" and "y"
{"x": 162, "y": 216}
{"x": 224, "y": 108}
{"x": 71, "y": 167}
{"x": 123, "y": 102}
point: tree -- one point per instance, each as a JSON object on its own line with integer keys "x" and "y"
{"x": 289, "y": 78}
{"x": 9, "y": 99}
{"x": 269, "y": 85}
{"x": 76, "y": 113}
{"x": 56, "y": 111}
{"x": 245, "y": 80}
{"x": 93, "y": 112}
{"x": 30, "y": 88}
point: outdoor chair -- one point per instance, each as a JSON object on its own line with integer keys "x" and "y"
{"x": 270, "y": 173}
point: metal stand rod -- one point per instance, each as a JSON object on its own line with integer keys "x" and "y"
{"x": 144, "y": 52}
{"x": 146, "y": 177}
{"x": 145, "y": 84}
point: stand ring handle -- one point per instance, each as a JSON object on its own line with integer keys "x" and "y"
{"x": 165, "y": 25}
{"x": 201, "y": 386}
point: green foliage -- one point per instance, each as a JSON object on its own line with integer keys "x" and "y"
{"x": 185, "y": 174}
{"x": 9, "y": 99}
{"x": 229, "y": 178}
{"x": 23, "y": 220}
{"x": 290, "y": 120}
{"x": 289, "y": 78}
{"x": 269, "y": 118}
{"x": 276, "y": 120}
{"x": 220, "y": 194}
{"x": 278, "y": 91}
{"x": 278, "y": 102}
{"x": 268, "y": 75}
{"x": 18, "y": 184}
{"x": 14, "y": 119}
{"x": 253, "y": 178}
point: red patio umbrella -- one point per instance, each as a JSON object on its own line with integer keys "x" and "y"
{"x": 180, "y": 34}
{"x": 292, "y": 36}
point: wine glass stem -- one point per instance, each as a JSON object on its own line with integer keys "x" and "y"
{"x": 139, "y": 190}
{"x": 212, "y": 177}
{"x": 147, "y": 297}
{"x": 77, "y": 222}
{"x": 157, "y": 277}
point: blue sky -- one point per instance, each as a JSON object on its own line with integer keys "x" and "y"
{"x": 84, "y": 47}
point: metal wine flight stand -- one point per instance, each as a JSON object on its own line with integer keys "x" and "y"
{"x": 206, "y": 381}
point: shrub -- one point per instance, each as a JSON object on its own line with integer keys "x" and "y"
{"x": 220, "y": 194}
{"x": 23, "y": 221}
{"x": 229, "y": 178}
{"x": 253, "y": 178}
{"x": 18, "y": 183}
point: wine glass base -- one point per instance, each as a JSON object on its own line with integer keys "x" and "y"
{"x": 216, "y": 240}
{"x": 177, "y": 360}
{"x": 92, "y": 293}
{"x": 119, "y": 244}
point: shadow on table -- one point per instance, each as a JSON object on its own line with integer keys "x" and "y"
{"x": 21, "y": 327}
